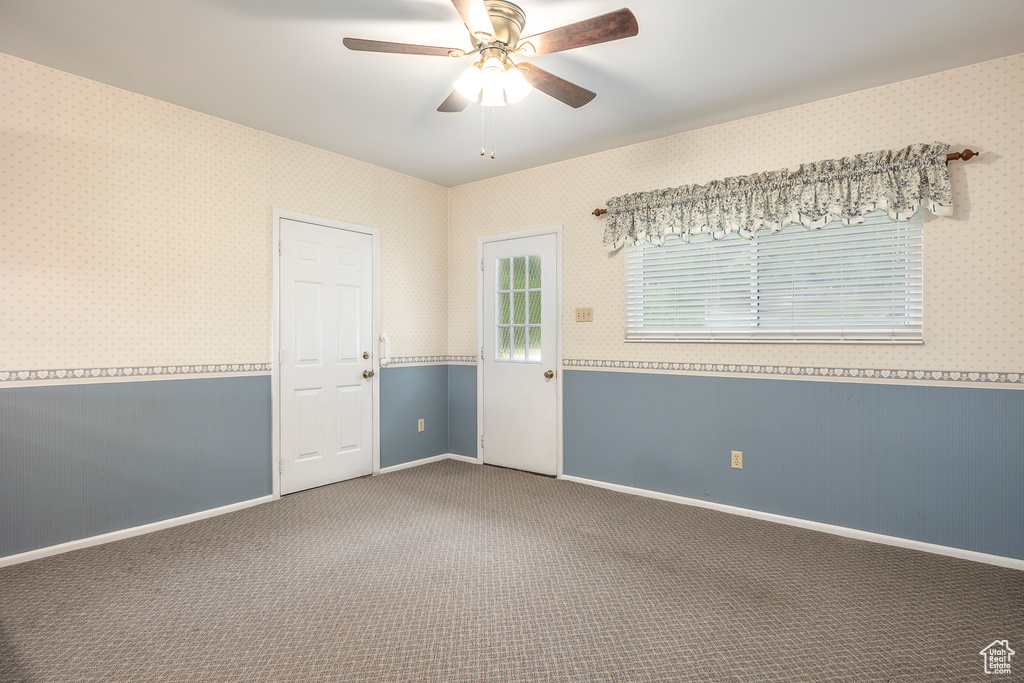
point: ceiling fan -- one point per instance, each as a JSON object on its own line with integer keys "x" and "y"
{"x": 494, "y": 29}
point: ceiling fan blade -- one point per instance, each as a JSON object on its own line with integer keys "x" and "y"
{"x": 612, "y": 26}
{"x": 559, "y": 88}
{"x": 455, "y": 103}
{"x": 474, "y": 16}
{"x": 401, "y": 48}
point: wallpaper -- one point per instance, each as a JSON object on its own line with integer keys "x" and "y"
{"x": 137, "y": 234}
{"x": 974, "y": 277}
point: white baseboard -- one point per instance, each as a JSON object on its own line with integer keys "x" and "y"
{"x": 414, "y": 463}
{"x": 998, "y": 560}
{"x": 128, "y": 533}
{"x": 463, "y": 458}
{"x": 426, "y": 461}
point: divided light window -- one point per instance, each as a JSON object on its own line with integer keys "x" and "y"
{"x": 858, "y": 283}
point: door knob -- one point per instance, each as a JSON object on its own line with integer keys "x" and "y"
{"x": 549, "y": 374}
{"x": 366, "y": 354}
{"x": 367, "y": 374}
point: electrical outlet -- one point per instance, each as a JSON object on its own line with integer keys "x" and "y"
{"x": 420, "y": 426}
{"x": 737, "y": 460}
{"x": 585, "y": 315}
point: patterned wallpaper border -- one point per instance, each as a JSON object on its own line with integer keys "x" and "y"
{"x": 958, "y": 376}
{"x": 140, "y": 371}
{"x": 410, "y": 360}
{"x": 807, "y": 371}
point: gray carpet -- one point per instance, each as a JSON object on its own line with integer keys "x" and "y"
{"x": 455, "y": 572}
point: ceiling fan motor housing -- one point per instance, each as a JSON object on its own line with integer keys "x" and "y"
{"x": 508, "y": 21}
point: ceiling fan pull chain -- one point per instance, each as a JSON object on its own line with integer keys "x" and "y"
{"x": 482, "y": 152}
{"x": 492, "y": 131}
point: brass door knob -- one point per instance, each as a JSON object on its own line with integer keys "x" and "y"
{"x": 549, "y": 374}
{"x": 367, "y": 374}
{"x": 366, "y": 354}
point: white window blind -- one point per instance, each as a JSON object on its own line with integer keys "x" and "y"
{"x": 858, "y": 283}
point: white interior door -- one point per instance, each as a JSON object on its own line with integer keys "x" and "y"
{"x": 326, "y": 344}
{"x": 520, "y": 353}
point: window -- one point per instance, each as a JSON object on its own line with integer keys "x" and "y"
{"x": 858, "y": 283}
{"x": 518, "y": 309}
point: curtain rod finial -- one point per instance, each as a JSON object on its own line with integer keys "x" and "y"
{"x": 965, "y": 155}
{"x": 600, "y": 212}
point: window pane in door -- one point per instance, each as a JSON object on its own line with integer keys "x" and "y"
{"x": 518, "y": 343}
{"x": 535, "y": 272}
{"x": 503, "y": 277}
{"x": 535, "y": 308}
{"x": 519, "y": 308}
{"x": 519, "y": 272}
{"x": 503, "y": 308}
{"x": 504, "y": 343}
{"x": 535, "y": 343}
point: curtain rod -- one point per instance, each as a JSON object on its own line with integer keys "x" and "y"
{"x": 965, "y": 155}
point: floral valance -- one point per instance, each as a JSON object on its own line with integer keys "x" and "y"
{"x": 898, "y": 181}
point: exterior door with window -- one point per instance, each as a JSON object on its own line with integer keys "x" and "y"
{"x": 520, "y": 353}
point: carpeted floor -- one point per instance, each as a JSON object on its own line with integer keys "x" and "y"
{"x": 456, "y": 572}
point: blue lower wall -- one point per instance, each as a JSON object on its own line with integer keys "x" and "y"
{"x": 444, "y": 395}
{"x": 462, "y": 410}
{"x": 936, "y": 464}
{"x": 407, "y": 394}
{"x": 942, "y": 465}
{"x": 86, "y": 459}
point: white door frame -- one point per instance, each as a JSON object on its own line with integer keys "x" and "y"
{"x": 275, "y": 345}
{"x": 555, "y": 230}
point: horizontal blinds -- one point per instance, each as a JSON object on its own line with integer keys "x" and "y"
{"x": 840, "y": 283}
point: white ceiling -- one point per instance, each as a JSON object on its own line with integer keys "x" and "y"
{"x": 279, "y": 66}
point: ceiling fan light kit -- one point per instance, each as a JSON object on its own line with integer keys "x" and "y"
{"x": 493, "y": 83}
{"x": 470, "y": 82}
{"x": 492, "y": 91}
{"x": 495, "y": 27}
{"x": 516, "y": 87}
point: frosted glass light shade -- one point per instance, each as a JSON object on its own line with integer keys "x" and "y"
{"x": 470, "y": 82}
{"x": 493, "y": 84}
{"x": 516, "y": 87}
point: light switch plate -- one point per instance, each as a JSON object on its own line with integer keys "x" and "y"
{"x": 585, "y": 315}
{"x": 420, "y": 425}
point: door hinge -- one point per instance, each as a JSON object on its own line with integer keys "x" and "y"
{"x": 481, "y": 353}
{"x": 280, "y": 248}
{"x": 481, "y": 441}
{"x": 481, "y": 264}
{"x": 280, "y": 357}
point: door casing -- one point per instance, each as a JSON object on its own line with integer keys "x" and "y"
{"x": 275, "y": 348}
{"x": 555, "y": 230}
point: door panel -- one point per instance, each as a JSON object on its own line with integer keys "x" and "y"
{"x": 348, "y": 259}
{"x": 348, "y": 329}
{"x": 309, "y": 413}
{"x": 349, "y": 418}
{"x": 326, "y": 326}
{"x": 308, "y": 252}
{"x": 520, "y": 344}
